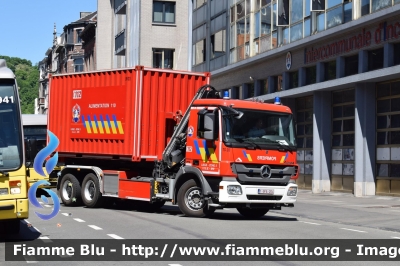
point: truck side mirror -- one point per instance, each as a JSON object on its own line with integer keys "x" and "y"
{"x": 207, "y": 125}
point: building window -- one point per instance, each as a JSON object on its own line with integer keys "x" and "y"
{"x": 198, "y": 3}
{"x": 240, "y": 31}
{"x": 300, "y": 16}
{"x": 218, "y": 44}
{"x": 337, "y": 12}
{"x": 371, "y": 6}
{"x": 264, "y": 25}
{"x": 164, "y": 12}
{"x": 199, "y": 52}
{"x": 278, "y": 83}
{"x": 304, "y": 125}
{"x": 396, "y": 49}
{"x": 264, "y": 86}
{"x": 375, "y": 59}
{"x": 343, "y": 153}
{"x": 351, "y": 65}
{"x": 78, "y": 38}
{"x": 388, "y": 130}
{"x": 78, "y": 65}
{"x": 163, "y": 58}
{"x": 293, "y": 79}
{"x": 330, "y": 70}
{"x": 311, "y": 75}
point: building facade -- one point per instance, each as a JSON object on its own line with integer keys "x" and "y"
{"x": 335, "y": 63}
{"x": 67, "y": 55}
{"x": 141, "y": 32}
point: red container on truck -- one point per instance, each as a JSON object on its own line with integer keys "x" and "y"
{"x": 156, "y": 135}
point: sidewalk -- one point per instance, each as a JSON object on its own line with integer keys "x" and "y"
{"x": 380, "y": 212}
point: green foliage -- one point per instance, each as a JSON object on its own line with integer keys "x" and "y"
{"x": 27, "y": 79}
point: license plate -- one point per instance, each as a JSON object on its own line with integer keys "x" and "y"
{"x": 3, "y": 191}
{"x": 266, "y": 191}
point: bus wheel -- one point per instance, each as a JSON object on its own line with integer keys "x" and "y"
{"x": 91, "y": 194}
{"x": 70, "y": 190}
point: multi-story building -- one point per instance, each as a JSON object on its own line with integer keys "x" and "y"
{"x": 67, "y": 55}
{"x": 336, "y": 63}
{"x": 141, "y": 32}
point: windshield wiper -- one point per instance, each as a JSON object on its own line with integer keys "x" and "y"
{"x": 285, "y": 147}
{"x": 255, "y": 145}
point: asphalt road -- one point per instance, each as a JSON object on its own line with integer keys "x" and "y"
{"x": 327, "y": 216}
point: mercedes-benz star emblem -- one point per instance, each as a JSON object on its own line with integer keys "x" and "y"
{"x": 265, "y": 171}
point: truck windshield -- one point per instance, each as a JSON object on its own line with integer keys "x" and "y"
{"x": 259, "y": 129}
{"x": 10, "y": 127}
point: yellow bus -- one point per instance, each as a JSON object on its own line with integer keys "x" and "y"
{"x": 14, "y": 204}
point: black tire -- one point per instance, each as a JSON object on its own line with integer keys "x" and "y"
{"x": 252, "y": 213}
{"x": 191, "y": 200}
{"x": 70, "y": 190}
{"x": 91, "y": 195}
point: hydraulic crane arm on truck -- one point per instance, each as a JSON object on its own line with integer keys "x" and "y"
{"x": 120, "y": 141}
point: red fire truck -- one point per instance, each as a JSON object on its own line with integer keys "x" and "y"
{"x": 157, "y": 135}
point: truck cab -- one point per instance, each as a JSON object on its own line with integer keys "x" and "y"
{"x": 246, "y": 154}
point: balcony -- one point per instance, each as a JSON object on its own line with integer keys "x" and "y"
{"x": 120, "y": 7}
{"x": 42, "y": 100}
{"x": 120, "y": 43}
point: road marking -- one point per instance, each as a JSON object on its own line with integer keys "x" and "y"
{"x": 353, "y": 230}
{"x": 332, "y": 200}
{"x": 49, "y": 206}
{"x": 65, "y": 214}
{"x": 45, "y": 239}
{"x": 95, "y": 227}
{"x": 114, "y": 236}
{"x": 308, "y": 223}
{"x": 396, "y": 237}
{"x": 79, "y": 220}
{"x": 384, "y": 198}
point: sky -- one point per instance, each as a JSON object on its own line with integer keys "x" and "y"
{"x": 26, "y": 26}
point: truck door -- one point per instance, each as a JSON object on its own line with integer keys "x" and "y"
{"x": 203, "y": 148}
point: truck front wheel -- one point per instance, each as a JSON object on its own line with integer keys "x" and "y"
{"x": 191, "y": 200}
{"x": 91, "y": 194}
{"x": 70, "y": 190}
{"x": 252, "y": 213}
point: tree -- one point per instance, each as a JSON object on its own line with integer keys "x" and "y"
{"x": 27, "y": 80}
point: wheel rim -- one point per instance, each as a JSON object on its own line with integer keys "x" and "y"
{"x": 194, "y": 199}
{"x": 67, "y": 190}
{"x": 90, "y": 190}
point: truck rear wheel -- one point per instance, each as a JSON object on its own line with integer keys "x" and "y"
{"x": 91, "y": 194}
{"x": 70, "y": 190}
{"x": 252, "y": 213}
{"x": 191, "y": 200}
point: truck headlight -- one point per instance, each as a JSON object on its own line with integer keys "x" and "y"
{"x": 292, "y": 191}
{"x": 234, "y": 190}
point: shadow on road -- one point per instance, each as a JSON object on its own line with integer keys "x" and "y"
{"x": 27, "y": 233}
